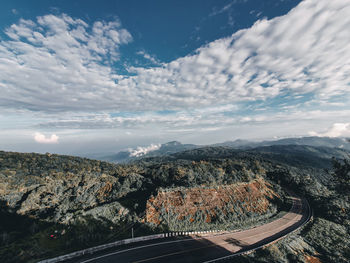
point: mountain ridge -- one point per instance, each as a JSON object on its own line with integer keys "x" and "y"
{"x": 176, "y": 146}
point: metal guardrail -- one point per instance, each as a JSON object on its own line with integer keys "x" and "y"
{"x": 124, "y": 242}
{"x": 101, "y": 247}
{"x": 165, "y": 235}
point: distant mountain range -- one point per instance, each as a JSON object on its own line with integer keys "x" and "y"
{"x": 176, "y": 147}
{"x": 310, "y": 141}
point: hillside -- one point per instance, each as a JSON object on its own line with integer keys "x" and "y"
{"x": 65, "y": 194}
{"x": 52, "y": 204}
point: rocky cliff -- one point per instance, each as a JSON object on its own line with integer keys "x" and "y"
{"x": 203, "y": 208}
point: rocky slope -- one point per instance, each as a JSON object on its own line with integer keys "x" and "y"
{"x": 93, "y": 202}
{"x": 61, "y": 188}
{"x": 203, "y": 208}
{"x": 52, "y": 204}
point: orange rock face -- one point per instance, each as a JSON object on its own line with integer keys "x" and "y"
{"x": 205, "y": 202}
{"x": 311, "y": 259}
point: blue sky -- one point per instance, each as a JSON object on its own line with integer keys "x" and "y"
{"x": 167, "y": 29}
{"x": 87, "y": 76}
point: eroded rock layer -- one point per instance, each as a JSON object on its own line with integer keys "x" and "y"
{"x": 200, "y": 207}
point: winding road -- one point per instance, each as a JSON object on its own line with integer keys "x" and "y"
{"x": 207, "y": 248}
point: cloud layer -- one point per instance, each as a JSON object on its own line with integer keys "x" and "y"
{"x": 337, "y": 130}
{"x": 139, "y": 151}
{"x": 58, "y": 63}
{"x": 41, "y": 138}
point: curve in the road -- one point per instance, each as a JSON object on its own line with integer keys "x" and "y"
{"x": 213, "y": 247}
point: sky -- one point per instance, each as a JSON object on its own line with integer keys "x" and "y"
{"x": 79, "y": 77}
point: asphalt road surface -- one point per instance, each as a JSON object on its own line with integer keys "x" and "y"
{"x": 204, "y": 248}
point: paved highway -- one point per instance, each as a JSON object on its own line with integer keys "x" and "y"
{"x": 206, "y": 248}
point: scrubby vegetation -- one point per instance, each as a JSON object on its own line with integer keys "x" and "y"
{"x": 52, "y": 204}
{"x": 70, "y": 202}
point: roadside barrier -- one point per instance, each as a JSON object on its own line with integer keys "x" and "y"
{"x": 171, "y": 234}
{"x": 101, "y": 247}
{"x": 123, "y": 242}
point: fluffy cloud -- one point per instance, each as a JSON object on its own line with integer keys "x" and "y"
{"x": 337, "y": 130}
{"x": 58, "y": 63}
{"x": 41, "y": 138}
{"x": 139, "y": 151}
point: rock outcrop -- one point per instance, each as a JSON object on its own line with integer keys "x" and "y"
{"x": 203, "y": 208}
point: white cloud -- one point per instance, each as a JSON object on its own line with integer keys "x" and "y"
{"x": 149, "y": 57}
{"x": 140, "y": 151}
{"x": 64, "y": 64}
{"x": 302, "y": 52}
{"x": 337, "y": 130}
{"x": 225, "y": 8}
{"x": 41, "y": 138}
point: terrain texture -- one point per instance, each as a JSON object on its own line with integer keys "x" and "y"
{"x": 52, "y": 204}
